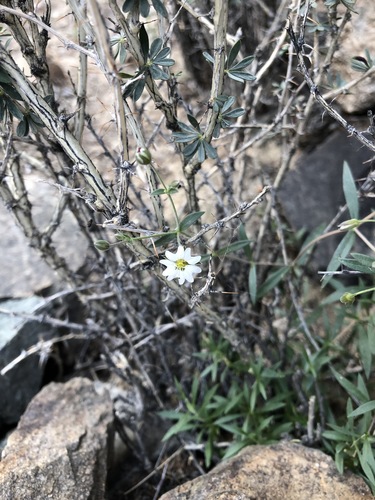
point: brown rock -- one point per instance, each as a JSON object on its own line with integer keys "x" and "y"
{"x": 60, "y": 447}
{"x": 275, "y": 472}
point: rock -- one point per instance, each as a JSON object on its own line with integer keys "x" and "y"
{"x": 22, "y": 271}
{"x": 357, "y": 36}
{"x": 278, "y": 472}
{"x": 17, "y": 334}
{"x": 311, "y": 194}
{"x": 61, "y": 445}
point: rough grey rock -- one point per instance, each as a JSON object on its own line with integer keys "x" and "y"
{"x": 311, "y": 194}
{"x": 61, "y": 445}
{"x": 357, "y": 36}
{"x": 285, "y": 471}
{"x": 22, "y": 271}
{"x": 20, "y": 384}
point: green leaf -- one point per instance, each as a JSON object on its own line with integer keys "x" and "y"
{"x": 365, "y": 351}
{"x": 234, "y": 449}
{"x": 360, "y": 64}
{"x": 13, "y": 109}
{"x": 158, "y": 192}
{"x": 365, "y": 408}
{"x": 272, "y": 281}
{"x": 210, "y": 151}
{"x": 185, "y": 424}
{"x": 350, "y": 388}
{"x": 193, "y": 121}
{"x": 201, "y": 152}
{"x": 163, "y": 240}
{"x": 185, "y": 137}
{"x": 240, "y": 76}
{"x": 342, "y": 250}
{"x": 159, "y": 7}
{"x": 4, "y": 77}
{"x": 157, "y": 73}
{"x": 356, "y": 266}
{"x": 143, "y": 39}
{"x": 233, "y": 53}
{"x": 208, "y": 57}
{"x": 191, "y": 149}
{"x": 128, "y": 5}
{"x": 246, "y": 61}
{"x": 189, "y": 220}
{"x": 233, "y": 247}
{"x": 23, "y": 128}
{"x": 253, "y": 283}
{"x": 235, "y": 113}
{"x": 155, "y": 48}
{"x": 144, "y": 8}
{"x": 350, "y": 191}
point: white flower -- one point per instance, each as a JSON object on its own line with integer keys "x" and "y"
{"x": 181, "y": 265}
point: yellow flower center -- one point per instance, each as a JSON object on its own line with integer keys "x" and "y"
{"x": 181, "y": 264}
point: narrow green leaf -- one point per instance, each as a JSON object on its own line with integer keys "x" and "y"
{"x": 185, "y": 137}
{"x": 158, "y": 192}
{"x": 193, "y": 121}
{"x": 210, "y": 150}
{"x": 191, "y": 149}
{"x": 350, "y": 191}
{"x": 208, "y": 57}
{"x": 189, "y": 220}
{"x": 272, "y": 280}
{"x": 233, "y": 247}
{"x": 365, "y": 408}
{"x": 163, "y": 240}
{"x": 365, "y": 351}
{"x": 201, "y": 152}
{"x": 356, "y": 266}
{"x": 228, "y": 103}
{"x": 233, "y": 53}
{"x": 366, "y": 260}
{"x": 350, "y": 388}
{"x": 143, "y": 39}
{"x": 246, "y": 61}
{"x": 253, "y": 283}
{"x": 342, "y": 250}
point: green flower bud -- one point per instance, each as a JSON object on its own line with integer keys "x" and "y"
{"x": 347, "y": 298}
{"x": 350, "y": 224}
{"x": 102, "y": 245}
{"x": 143, "y": 156}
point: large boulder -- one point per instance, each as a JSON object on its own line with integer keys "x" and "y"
{"x": 278, "y": 472}
{"x": 61, "y": 445}
{"x": 21, "y": 380}
{"x": 311, "y": 194}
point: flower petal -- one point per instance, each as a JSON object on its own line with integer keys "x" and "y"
{"x": 180, "y": 254}
{"x": 187, "y": 255}
{"x": 194, "y": 260}
{"x": 170, "y": 256}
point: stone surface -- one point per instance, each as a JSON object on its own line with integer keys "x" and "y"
{"x": 285, "y": 471}
{"x": 311, "y": 194}
{"x": 358, "y": 35}
{"x": 17, "y": 334}
{"x": 61, "y": 445}
{"x": 22, "y": 271}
